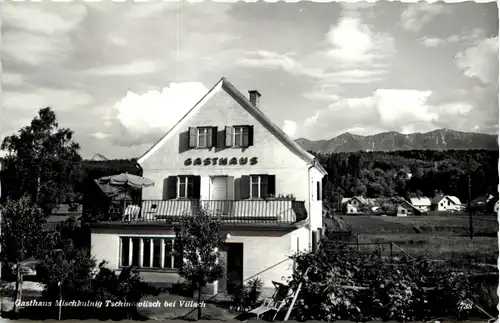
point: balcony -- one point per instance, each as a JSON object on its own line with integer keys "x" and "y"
{"x": 266, "y": 212}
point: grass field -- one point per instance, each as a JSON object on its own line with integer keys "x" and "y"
{"x": 434, "y": 237}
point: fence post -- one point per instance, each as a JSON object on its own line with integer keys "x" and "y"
{"x": 390, "y": 246}
{"x": 357, "y": 242}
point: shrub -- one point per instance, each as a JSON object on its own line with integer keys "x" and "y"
{"x": 127, "y": 286}
{"x": 247, "y": 295}
{"x": 343, "y": 284}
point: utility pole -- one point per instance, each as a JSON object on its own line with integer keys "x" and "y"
{"x": 469, "y": 202}
{"x": 0, "y": 213}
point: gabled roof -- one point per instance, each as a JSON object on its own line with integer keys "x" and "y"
{"x": 360, "y": 199}
{"x": 454, "y": 199}
{"x": 420, "y": 201}
{"x": 409, "y": 204}
{"x": 346, "y": 199}
{"x": 437, "y": 199}
{"x": 245, "y": 103}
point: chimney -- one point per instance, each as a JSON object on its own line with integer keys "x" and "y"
{"x": 254, "y": 97}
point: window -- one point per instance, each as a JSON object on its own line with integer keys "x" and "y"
{"x": 241, "y": 134}
{"x": 318, "y": 191}
{"x": 202, "y": 137}
{"x": 258, "y": 186}
{"x": 154, "y": 253}
{"x": 181, "y": 186}
{"x": 185, "y": 186}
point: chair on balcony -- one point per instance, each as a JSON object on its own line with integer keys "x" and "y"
{"x": 282, "y": 295}
{"x": 132, "y": 212}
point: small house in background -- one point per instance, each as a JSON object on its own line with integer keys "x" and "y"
{"x": 423, "y": 204}
{"x": 446, "y": 203}
{"x": 405, "y": 208}
{"x": 355, "y": 205}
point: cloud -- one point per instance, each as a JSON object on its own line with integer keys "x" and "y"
{"x": 354, "y": 76}
{"x": 271, "y": 60}
{"x": 353, "y": 53}
{"x": 355, "y": 42}
{"x": 350, "y": 55}
{"x": 403, "y": 110}
{"x": 37, "y": 33}
{"x": 459, "y": 92}
{"x": 42, "y": 18}
{"x": 311, "y": 121}
{"x": 289, "y": 127}
{"x": 432, "y": 41}
{"x": 418, "y": 15}
{"x": 469, "y": 36}
{"x": 146, "y": 10}
{"x": 480, "y": 61}
{"x": 148, "y": 116}
{"x": 134, "y": 68}
{"x": 321, "y": 96}
{"x": 43, "y": 97}
{"x": 32, "y": 49}
{"x": 101, "y": 135}
{"x": 14, "y": 79}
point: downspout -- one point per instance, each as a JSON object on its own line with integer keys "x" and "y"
{"x": 310, "y": 200}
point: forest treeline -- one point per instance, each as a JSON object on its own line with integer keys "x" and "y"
{"x": 82, "y": 172}
{"x": 409, "y": 173}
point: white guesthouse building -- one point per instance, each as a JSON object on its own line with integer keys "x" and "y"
{"x": 224, "y": 155}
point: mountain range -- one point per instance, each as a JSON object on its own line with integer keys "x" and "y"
{"x": 441, "y": 139}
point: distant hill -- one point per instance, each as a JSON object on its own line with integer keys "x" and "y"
{"x": 441, "y": 139}
{"x": 98, "y": 157}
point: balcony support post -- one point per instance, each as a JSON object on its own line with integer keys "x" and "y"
{"x": 141, "y": 252}
{"x": 130, "y": 251}
{"x": 162, "y": 255}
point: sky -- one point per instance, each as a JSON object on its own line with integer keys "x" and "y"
{"x": 121, "y": 74}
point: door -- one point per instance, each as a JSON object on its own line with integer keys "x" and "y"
{"x": 231, "y": 254}
{"x": 218, "y": 195}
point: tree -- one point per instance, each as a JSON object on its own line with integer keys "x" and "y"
{"x": 42, "y": 161}
{"x": 22, "y": 236}
{"x": 197, "y": 242}
{"x": 66, "y": 271}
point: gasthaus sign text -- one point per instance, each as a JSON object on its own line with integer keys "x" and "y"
{"x": 221, "y": 161}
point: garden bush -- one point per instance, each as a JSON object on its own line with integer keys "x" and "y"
{"x": 343, "y": 284}
{"x": 246, "y": 296}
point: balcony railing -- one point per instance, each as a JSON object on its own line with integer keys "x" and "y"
{"x": 239, "y": 212}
